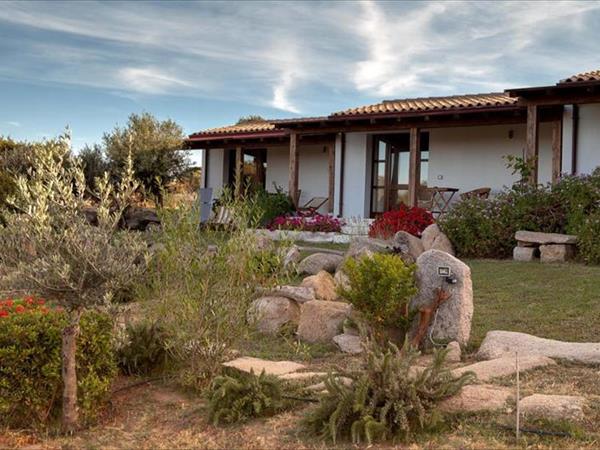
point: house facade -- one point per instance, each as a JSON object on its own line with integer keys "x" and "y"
{"x": 368, "y": 159}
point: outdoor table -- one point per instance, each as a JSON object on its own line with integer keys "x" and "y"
{"x": 441, "y": 198}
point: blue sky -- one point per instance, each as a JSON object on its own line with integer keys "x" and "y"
{"x": 91, "y": 64}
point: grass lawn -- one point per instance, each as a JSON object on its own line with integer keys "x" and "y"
{"x": 557, "y": 301}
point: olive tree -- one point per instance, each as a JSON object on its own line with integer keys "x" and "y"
{"x": 49, "y": 249}
{"x": 155, "y": 147}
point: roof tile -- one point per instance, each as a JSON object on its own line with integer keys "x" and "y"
{"x": 592, "y": 75}
{"x": 246, "y": 127}
{"x": 425, "y": 104}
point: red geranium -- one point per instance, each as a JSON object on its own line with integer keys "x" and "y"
{"x": 413, "y": 220}
{"x": 19, "y": 309}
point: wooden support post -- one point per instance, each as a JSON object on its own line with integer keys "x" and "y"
{"x": 414, "y": 171}
{"x": 556, "y": 150}
{"x": 331, "y": 164}
{"x": 293, "y": 171}
{"x": 238, "y": 171}
{"x": 532, "y": 143}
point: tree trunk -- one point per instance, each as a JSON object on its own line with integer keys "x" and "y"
{"x": 70, "y": 414}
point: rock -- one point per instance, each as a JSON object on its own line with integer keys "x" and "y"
{"x": 320, "y": 387}
{"x": 300, "y": 294}
{"x": 408, "y": 244}
{"x": 348, "y": 343}
{"x": 453, "y": 321}
{"x": 320, "y": 320}
{"x": 454, "y": 352}
{"x": 428, "y": 236}
{"x": 359, "y": 244}
{"x": 442, "y": 243}
{"x": 341, "y": 280}
{"x": 301, "y": 376}
{"x": 553, "y": 253}
{"x": 269, "y": 314}
{"x": 478, "y": 397}
{"x": 525, "y": 254}
{"x": 500, "y": 367}
{"x": 292, "y": 256}
{"x": 500, "y": 343}
{"x": 323, "y": 285}
{"x": 533, "y": 237}
{"x": 317, "y": 262}
{"x": 139, "y": 218}
{"x": 558, "y": 407}
{"x": 263, "y": 242}
{"x": 257, "y": 365}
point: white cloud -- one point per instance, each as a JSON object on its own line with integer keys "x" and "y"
{"x": 149, "y": 80}
{"x": 281, "y": 93}
{"x": 13, "y": 123}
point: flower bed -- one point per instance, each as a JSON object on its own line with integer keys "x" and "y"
{"x": 313, "y": 223}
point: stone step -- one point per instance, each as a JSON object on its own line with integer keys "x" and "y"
{"x": 257, "y": 365}
{"x": 500, "y": 367}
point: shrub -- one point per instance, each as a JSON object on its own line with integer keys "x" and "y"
{"x": 589, "y": 239}
{"x": 386, "y": 399}
{"x": 380, "y": 288}
{"x": 238, "y": 397}
{"x": 581, "y": 197}
{"x": 94, "y": 164}
{"x": 413, "y": 220}
{"x": 316, "y": 222}
{"x": 485, "y": 228}
{"x": 272, "y": 204}
{"x": 199, "y": 286}
{"x": 144, "y": 351}
{"x": 30, "y": 372}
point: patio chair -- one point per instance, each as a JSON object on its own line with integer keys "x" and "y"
{"x": 482, "y": 193}
{"x": 313, "y": 205}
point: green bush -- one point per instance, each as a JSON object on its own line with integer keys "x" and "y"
{"x": 144, "y": 352}
{"x": 581, "y": 197}
{"x": 30, "y": 369}
{"x": 272, "y": 204}
{"x": 386, "y": 399}
{"x": 238, "y": 397}
{"x": 589, "y": 239}
{"x": 380, "y": 288}
{"x": 485, "y": 228}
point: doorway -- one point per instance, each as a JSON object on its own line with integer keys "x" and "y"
{"x": 254, "y": 169}
{"x": 390, "y": 170}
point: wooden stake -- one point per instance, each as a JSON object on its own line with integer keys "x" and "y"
{"x": 518, "y": 418}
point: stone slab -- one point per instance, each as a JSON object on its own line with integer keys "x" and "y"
{"x": 498, "y": 343}
{"x": 525, "y": 254}
{"x": 556, "y": 253}
{"x": 500, "y": 367}
{"x": 348, "y": 343}
{"x": 301, "y": 376}
{"x": 478, "y": 397}
{"x": 257, "y": 365}
{"x": 535, "y": 237}
{"x": 558, "y": 407}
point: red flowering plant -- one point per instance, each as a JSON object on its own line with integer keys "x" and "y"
{"x": 316, "y": 222}
{"x": 413, "y": 220}
{"x": 24, "y": 305}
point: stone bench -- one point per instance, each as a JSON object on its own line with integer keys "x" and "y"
{"x": 549, "y": 247}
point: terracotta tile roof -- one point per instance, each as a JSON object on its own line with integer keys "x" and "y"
{"x": 247, "y": 127}
{"x": 592, "y": 75}
{"x": 431, "y": 104}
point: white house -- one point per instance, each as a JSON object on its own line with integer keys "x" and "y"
{"x": 366, "y": 160}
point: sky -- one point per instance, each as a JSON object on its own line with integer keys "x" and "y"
{"x": 90, "y": 64}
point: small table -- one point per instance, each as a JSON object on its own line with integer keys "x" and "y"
{"x": 441, "y": 198}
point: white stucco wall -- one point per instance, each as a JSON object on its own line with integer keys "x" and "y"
{"x": 356, "y": 169}
{"x": 471, "y": 157}
{"x": 588, "y": 138}
{"x": 313, "y": 171}
{"x": 216, "y": 172}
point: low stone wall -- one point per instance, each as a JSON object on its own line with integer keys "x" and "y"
{"x": 307, "y": 236}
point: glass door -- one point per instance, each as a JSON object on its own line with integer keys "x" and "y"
{"x": 390, "y": 169}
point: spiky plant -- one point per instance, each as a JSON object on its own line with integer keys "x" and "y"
{"x": 388, "y": 399}
{"x": 238, "y": 397}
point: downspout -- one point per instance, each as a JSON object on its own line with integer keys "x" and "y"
{"x": 574, "y": 133}
{"x": 342, "y": 158}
